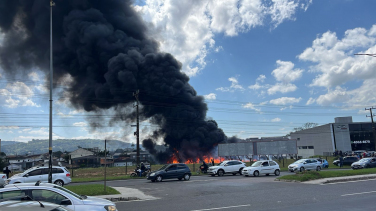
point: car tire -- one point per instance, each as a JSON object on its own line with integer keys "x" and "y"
{"x": 240, "y": 171}
{"x": 318, "y": 168}
{"x": 159, "y": 178}
{"x": 180, "y": 178}
{"x": 277, "y": 172}
{"x": 267, "y": 174}
{"x": 220, "y": 173}
{"x": 234, "y": 174}
{"x": 59, "y": 183}
{"x": 187, "y": 177}
{"x": 256, "y": 173}
{"x": 246, "y": 175}
{"x": 301, "y": 169}
{"x": 153, "y": 180}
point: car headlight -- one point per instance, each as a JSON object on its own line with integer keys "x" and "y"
{"x": 110, "y": 208}
{"x": 152, "y": 174}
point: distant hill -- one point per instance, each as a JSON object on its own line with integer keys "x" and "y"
{"x": 37, "y": 146}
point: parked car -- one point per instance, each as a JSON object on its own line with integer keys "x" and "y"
{"x": 60, "y": 176}
{"x": 364, "y": 163}
{"x": 324, "y": 162}
{"x": 262, "y": 167}
{"x": 227, "y": 167}
{"x": 3, "y": 178}
{"x": 305, "y": 164}
{"x": 347, "y": 160}
{"x": 51, "y": 193}
{"x": 171, "y": 171}
{"x": 22, "y": 205}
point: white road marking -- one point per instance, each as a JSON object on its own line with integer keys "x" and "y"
{"x": 352, "y": 194}
{"x": 220, "y": 208}
{"x": 333, "y": 183}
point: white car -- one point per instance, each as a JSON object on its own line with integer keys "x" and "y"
{"x": 60, "y": 176}
{"x": 262, "y": 167}
{"x": 22, "y": 205}
{"x": 227, "y": 167}
{"x": 51, "y": 193}
{"x": 305, "y": 164}
{"x": 3, "y": 178}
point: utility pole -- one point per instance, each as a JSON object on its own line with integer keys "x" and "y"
{"x": 105, "y": 164}
{"x": 137, "y": 133}
{"x": 51, "y": 82}
{"x": 373, "y": 126}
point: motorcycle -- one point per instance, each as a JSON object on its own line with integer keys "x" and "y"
{"x": 136, "y": 173}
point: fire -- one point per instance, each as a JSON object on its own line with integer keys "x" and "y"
{"x": 206, "y": 159}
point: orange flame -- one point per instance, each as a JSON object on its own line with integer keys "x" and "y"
{"x": 207, "y": 159}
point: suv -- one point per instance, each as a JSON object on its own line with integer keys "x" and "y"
{"x": 347, "y": 160}
{"x": 60, "y": 176}
{"x": 305, "y": 164}
{"x": 170, "y": 171}
{"x": 227, "y": 167}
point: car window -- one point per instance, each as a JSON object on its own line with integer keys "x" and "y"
{"x": 265, "y": 164}
{"x": 57, "y": 171}
{"x": 272, "y": 163}
{"x": 182, "y": 166}
{"x": 45, "y": 171}
{"x": 35, "y": 172}
{"x": 172, "y": 167}
{"x": 47, "y": 196}
{"x": 308, "y": 161}
{"x": 11, "y": 194}
{"x": 230, "y": 163}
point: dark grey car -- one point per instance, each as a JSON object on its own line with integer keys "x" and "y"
{"x": 171, "y": 171}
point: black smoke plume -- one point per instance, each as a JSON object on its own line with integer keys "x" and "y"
{"x": 103, "y": 46}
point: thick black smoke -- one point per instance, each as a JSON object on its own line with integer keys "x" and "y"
{"x": 103, "y": 46}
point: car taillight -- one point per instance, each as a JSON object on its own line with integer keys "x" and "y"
{"x": 4, "y": 177}
{"x": 68, "y": 175}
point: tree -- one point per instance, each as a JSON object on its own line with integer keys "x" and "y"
{"x": 305, "y": 126}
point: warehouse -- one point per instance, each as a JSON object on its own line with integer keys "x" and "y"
{"x": 343, "y": 134}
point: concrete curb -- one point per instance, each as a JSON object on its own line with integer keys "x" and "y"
{"x": 350, "y": 179}
{"x": 334, "y": 179}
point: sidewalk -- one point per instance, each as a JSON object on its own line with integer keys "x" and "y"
{"x": 127, "y": 194}
{"x": 341, "y": 179}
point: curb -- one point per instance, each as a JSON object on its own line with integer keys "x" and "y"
{"x": 284, "y": 180}
{"x": 349, "y": 179}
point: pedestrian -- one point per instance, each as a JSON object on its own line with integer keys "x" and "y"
{"x": 340, "y": 153}
{"x": 340, "y": 162}
{"x": 7, "y": 171}
{"x": 364, "y": 154}
{"x": 212, "y": 160}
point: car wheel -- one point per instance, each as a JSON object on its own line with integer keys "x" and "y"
{"x": 180, "y": 178}
{"x": 221, "y": 173}
{"x": 277, "y": 172}
{"x": 318, "y": 168}
{"x": 240, "y": 171}
{"x": 153, "y": 180}
{"x": 186, "y": 177}
{"x": 159, "y": 178}
{"x": 256, "y": 173}
{"x": 246, "y": 175}
{"x": 301, "y": 169}
{"x": 234, "y": 174}
{"x": 59, "y": 183}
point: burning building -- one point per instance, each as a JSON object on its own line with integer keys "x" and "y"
{"x": 103, "y": 47}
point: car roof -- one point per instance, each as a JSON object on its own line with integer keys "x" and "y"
{"x": 29, "y": 185}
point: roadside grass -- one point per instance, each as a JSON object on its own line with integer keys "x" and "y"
{"x": 92, "y": 190}
{"x": 312, "y": 175}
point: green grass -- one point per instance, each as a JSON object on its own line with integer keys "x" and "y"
{"x": 312, "y": 175}
{"x": 92, "y": 190}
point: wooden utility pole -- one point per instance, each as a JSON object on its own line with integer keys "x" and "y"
{"x": 373, "y": 125}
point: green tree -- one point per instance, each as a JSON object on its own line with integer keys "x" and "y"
{"x": 305, "y": 126}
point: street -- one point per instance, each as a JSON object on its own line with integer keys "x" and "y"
{"x": 247, "y": 193}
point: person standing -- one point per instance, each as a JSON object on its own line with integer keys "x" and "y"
{"x": 340, "y": 162}
{"x": 212, "y": 160}
{"x": 7, "y": 171}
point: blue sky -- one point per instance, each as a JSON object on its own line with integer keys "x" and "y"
{"x": 265, "y": 67}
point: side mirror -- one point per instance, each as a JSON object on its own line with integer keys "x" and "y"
{"x": 305, "y": 163}
{"x": 26, "y": 175}
{"x": 66, "y": 202}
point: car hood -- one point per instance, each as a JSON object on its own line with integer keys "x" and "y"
{"x": 158, "y": 171}
{"x": 250, "y": 168}
{"x": 359, "y": 163}
{"x": 97, "y": 201}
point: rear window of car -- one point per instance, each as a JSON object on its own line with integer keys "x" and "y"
{"x": 11, "y": 194}
{"x": 182, "y": 166}
{"x": 272, "y": 163}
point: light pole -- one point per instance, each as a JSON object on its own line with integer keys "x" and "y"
{"x": 51, "y": 82}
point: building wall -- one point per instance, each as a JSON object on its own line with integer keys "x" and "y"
{"x": 123, "y": 164}
{"x": 342, "y": 136}
{"x": 320, "y": 138}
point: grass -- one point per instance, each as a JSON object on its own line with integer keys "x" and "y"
{"x": 92, "y": 190}
{"x": 312, "y": 175}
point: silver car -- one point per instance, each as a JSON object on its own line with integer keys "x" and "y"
{"x": 305, "y": 164}
{"x": 22, "y": 205}
{"x": 51, "y": 193}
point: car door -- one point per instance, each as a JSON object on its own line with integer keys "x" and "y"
{"x": 307, "y": 164}
{"x": 33, "y": 176}
{"x": 181, "y": 170}
{"x": 265, "y": 168}
{"x": 237, "y": 165}
{"x": 229, "y": 167}
{"x": 273, "y": 166}
{"x": 44, "y": 175}
{"x": 314, "y": 164}
{"x": 172, "y": 172}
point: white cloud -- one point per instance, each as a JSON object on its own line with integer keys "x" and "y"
{"x": 310, "y": 101}
{"x": 17, "y": 94}
{"x": 261, "y": 78}
{"x": 234, "y": 86}
{"x": 80, "y": 124}
{"x": 252, "y": 107}
{"x": 187, "y": 28}
{"x": 286, "y": 72}
{"x": 276, "y": 120}
{"x": 34, "y": 76}
{"x": 283, "y": 88}
{"x": 9, "y": 127}
{"x": 285, "y": 100}
{"x": 210, "y": 96}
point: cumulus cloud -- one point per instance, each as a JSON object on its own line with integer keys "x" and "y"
{"x": 17, "y": 94}
{"x": 310, "y": 101}
{"x": 283, "y": 88}
{"x": 210, "y": 96}
{"x": 80, "y": 124}
{"x": 285, "y": 100}
{"x": 284, "y": 74}
{"x": 187, "y": 28}
{"x": 276, "y": 120}
{"x": 252, "y": 107}
{"x": 235, "y": 86}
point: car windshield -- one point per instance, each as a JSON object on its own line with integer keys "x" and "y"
{"x": 300, "y": 161}
{"x": 364, "y": 160}
{"x": 221, "y": 164}
{"x": 164, "y": 167}
{"x": 68, "y": 191}
{"x": 258, "y": 163}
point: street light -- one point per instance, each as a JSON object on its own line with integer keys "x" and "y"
{"x": 51, "y": 80}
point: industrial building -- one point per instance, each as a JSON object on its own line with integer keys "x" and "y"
{"x": 343, "y": 134}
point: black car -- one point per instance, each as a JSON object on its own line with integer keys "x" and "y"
{"x": 171, "y": 171}
{"x": 346, "y": 160}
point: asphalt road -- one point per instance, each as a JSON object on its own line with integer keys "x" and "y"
{"x": 248, "y": 193}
